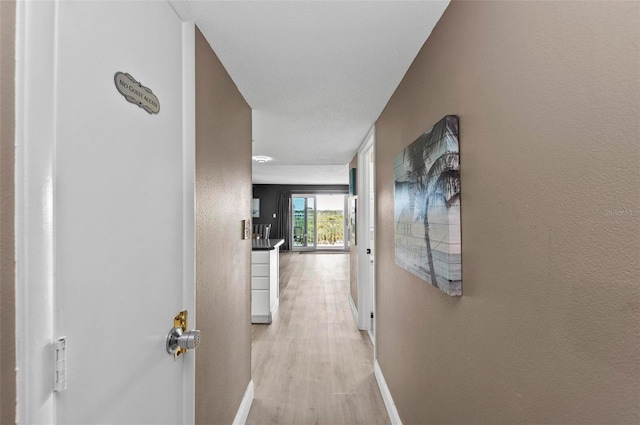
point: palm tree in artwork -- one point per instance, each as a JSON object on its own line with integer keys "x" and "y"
{"x": 435, "y": 172}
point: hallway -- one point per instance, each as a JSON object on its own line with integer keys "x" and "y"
{"x": 312, "y": 365}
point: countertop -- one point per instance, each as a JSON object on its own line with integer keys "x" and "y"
{"x": 265, "y": 244}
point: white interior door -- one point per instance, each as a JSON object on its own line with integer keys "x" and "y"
{"x": 371, "y": 233}
{"x": 122, "y": 210}
{"x": 366, "y": 245}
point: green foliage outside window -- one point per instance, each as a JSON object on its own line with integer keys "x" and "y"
{"x": 330, "y": 227}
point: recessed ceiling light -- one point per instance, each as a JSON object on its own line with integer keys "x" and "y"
{"x": 261, "y": 158}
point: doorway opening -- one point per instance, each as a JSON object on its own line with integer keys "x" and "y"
{"x": 319, "y": 222}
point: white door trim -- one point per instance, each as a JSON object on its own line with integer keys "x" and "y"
{"x": 366, "y": 297}
{"x": 36, "y": 82}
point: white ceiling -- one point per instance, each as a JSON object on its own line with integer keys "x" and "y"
{"x": 317, "y": 74}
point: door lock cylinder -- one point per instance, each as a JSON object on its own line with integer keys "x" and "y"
{"x": 180, "y": 339}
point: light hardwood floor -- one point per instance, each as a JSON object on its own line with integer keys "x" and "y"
{"x": 312, "y": 365}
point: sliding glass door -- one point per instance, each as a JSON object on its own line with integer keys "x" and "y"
{"x": 304, "y": 218}
{"x": 319, "y": 221}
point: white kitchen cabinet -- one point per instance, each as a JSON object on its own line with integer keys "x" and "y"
{"x": 265, "y": 279}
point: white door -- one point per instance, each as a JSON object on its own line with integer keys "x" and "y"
{"x": 122, "y": 208}
{"x": 366, "y": 244}
{"x": 371, "y": 189}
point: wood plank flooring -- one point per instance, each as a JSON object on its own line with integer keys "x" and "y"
{"x": 312, "y": 365}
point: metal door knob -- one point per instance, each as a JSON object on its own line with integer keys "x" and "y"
{"x": 177, "y": 339}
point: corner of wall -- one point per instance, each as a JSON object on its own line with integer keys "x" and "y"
{"x": 223, "y": 258}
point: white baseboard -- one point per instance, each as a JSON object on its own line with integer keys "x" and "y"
{"x": 354, "y": 310}
{"x": 394, "y": 417}
{"x": 245, "y": 406}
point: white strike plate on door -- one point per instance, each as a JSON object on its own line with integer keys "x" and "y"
{"x": 60, "y": 367}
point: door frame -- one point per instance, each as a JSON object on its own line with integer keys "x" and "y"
{"x": 366, "y": 273}
{"x": 34, "y": 181}
{"x": 35, "y": 137}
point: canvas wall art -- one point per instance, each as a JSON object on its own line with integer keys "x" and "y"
{"x": 427, "y": 207}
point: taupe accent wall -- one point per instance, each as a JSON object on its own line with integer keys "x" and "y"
{"x": 7, "y": 244}
{"x": 548, "y": 328}
{"x": 223, "y": 258}
{"x": 353, "y": 251}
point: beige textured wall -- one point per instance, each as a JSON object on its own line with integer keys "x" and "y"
{"x": 223, "y": 259}
{"x": 7, "y": 246}
{"x": 547, "y": 330}
{"x": 353, "y": 254}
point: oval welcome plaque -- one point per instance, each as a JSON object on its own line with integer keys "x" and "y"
{"x": 136, "y": 93}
